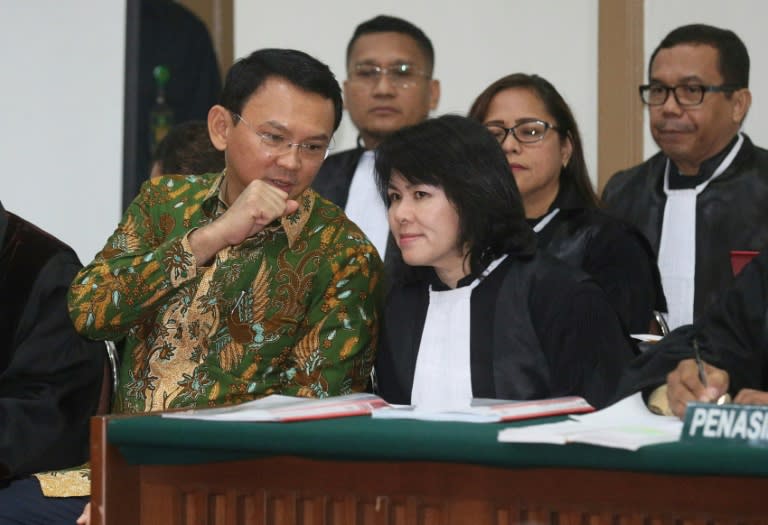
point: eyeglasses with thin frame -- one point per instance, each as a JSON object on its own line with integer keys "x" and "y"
{"x": 686, "y": 95}
{"x": 313, "y": 151}
{"x": 525, "y": 132}
{"x": 402, "y": 75}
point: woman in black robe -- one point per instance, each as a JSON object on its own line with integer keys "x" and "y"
{"x": 474, "y": 309}
{"x": 542, "y": 144}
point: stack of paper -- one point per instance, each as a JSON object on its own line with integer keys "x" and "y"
{"x": 287, "y": 408}
{"x": 627, "y": 424}
{"x": 489, "y": 410}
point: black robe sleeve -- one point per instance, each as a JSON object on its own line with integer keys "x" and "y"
{"x": 732, "y": 335}
{"x": 583, "y": 341}
{"x": 623, "y": 264}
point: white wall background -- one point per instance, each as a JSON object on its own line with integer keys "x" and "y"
{"x": 475, "y": 43}
{"x": 62, "y": 63}
{"x": 747, "y": 18}
{"x": 61, "y": 116}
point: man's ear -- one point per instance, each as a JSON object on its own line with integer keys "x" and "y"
{"x": 434, "y": 93}
{"x": 742, "y": 100}
{"x": 219, "y": 126}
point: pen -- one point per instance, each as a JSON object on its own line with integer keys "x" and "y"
{"x": 725, "y": 398}
{"x": 699, "y": 362}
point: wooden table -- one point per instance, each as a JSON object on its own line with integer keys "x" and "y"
{"x": 151, "y": 470}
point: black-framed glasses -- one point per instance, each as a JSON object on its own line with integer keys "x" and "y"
{"x": 685, "y": 94}
{"x": 525, "y": 132}
{"x": 279, "y": 144}
{"x": 402, "y": 75}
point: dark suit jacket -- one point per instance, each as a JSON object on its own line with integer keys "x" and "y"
{"x": 50, "y": 377}
{"x": 335, "y": 176}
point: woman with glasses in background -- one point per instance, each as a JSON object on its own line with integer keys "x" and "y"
{"x": 475, "y": 310}
{"x": 541, "y": 141}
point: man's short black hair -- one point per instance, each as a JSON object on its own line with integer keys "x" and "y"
{"x": 733, "y": 56}
{"x": 393, "y": 24}
{"x": 248, "y": 74}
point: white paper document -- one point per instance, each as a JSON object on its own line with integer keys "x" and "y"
{"x": 287, "y": 408}
{"x": 627, "y": 424}
{"x": 489, "y": 410}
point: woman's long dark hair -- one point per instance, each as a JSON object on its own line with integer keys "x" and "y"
{"x": 460, "y": 156}
{"x": 576, "y": 169}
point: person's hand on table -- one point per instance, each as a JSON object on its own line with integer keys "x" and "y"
{"x": 684, "y": 385}
{"x": 748, "y": 396}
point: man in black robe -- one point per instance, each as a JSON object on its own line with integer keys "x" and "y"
{"x": 50, "y": 377}
{"x": 704, "y": 194}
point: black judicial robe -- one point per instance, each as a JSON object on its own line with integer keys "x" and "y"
{"x": 50, "y": 377}
{"x": 334, "y": 177}
{"x": 732, "y": 335}
{"x": 731, "y": 213}
{"x": 538, "y": 329}
{"x": 611, "y": 251}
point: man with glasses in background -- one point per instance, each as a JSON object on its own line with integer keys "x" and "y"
{"x": 389, "y": 86}
{"x": 228, "y": 287}
{"x": 704, "y": 195}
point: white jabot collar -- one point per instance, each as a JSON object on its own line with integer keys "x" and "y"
{"x": 677, "y": 248}
{"x": 443, "y": 378}
{"x": 365, "y": 206}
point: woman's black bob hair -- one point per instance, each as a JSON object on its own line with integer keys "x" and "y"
{"x": 460, "y": 156}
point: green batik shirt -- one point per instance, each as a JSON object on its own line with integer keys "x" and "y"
{"x": 292, "y": 310}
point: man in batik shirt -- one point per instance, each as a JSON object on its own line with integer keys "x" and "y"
{"x": 232, "y": 286}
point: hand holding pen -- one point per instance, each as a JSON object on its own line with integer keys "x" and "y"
{"x": 695, "y": 380}
{"x": 713, "y": 394}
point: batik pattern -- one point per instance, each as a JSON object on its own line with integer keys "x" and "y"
{"x": 292, "y": 310}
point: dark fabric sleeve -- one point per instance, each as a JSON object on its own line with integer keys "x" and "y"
{"x": 583, "y": 340}
{"x": 387, "y": 383}
{"x": 609, "y": 191}
{"x": 731, "y": 335}
{"x": 51, "y": 386}
{"x": 622, "y": 263}
{"x": 402, "y": 325}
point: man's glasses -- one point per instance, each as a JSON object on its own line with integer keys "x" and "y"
{"x": 400, "y": 75}
{"x": 279, "y": 144}
{"x": 526, "y": 132}
{"x": 685, "y": 94}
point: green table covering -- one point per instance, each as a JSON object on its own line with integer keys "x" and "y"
{"x": 157, "y": 440}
